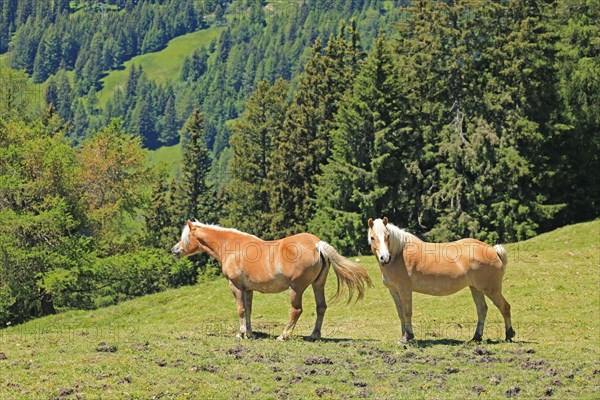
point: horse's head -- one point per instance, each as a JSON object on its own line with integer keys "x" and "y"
{"x": 189, "y": 243}
{"x": 379, "y": 239}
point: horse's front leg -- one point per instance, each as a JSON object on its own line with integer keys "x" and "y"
{"x": 296, "y": 310}
{"x": 399, "y": 310}
{"x": 248, "y": 307}
{"x": 406, "y": 299}
{"x": 241, "y": 299}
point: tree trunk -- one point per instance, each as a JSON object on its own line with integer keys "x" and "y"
{"x": 47, "y": 303}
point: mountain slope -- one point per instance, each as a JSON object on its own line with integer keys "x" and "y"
{"x": 160, "y": 66}
{"x": 180, "y": 343}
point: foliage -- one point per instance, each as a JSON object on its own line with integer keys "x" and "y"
{"x": 69, "y": 236}
{"x": 253, "y": 143}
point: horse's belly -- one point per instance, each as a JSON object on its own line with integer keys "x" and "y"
{"x": 438, "y": 285}
{"x": 271, "y": 286}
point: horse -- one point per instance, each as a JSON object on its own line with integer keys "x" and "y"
{"x": 251, "y": 264}
{"x": 409, "y": 264}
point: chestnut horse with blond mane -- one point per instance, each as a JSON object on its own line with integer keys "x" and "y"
{"x": 251, "y": 264}
{"x": 409, "y": 264}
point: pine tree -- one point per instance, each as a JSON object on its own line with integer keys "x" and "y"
{"x": 304, "y": 144}
{"x": 80, "y": 122}
{"x": 252, "y": 144}
{"x": 576, "y": 26}
{"x": 144, "y": 120}
{"x": 195, "y": 197}
{"x": 353, "y": 184}
{"x": 169, "y": 132}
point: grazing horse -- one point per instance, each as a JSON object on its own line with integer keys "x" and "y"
{"x": 409, "y": 264}
{"x": 251, "y": 264}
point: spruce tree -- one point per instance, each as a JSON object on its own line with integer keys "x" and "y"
{"x": 168, "y": 135}
{"x": 195, "y": 196}
{"x": 353, "y": 184}
{"x": 253, "y": 148}
{"x": 304, "y": 143}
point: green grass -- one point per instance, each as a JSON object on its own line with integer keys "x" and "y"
{"x": 160, "y": 66}
{"x": 180, "y": 343}
{"x": 168, "y": 158}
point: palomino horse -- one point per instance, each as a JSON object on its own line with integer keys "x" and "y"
{"x": 251, "y": 264}
{"x": 409, "y": 264}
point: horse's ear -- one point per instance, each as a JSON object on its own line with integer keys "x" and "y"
{"x": 385, "y": 221}
{"x": 190, "y": 224}
{"x": 370, "y": 222}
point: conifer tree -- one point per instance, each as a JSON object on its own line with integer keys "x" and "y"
{"x": 252, "y": 143}
{"x": 195, "y": 196}
{"x": 168, "y": 134}
{"x": 304, "y": 144}
{"x": 352, "y": 186}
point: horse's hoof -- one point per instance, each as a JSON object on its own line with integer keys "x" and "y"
{"x": 241, "y": 336}
{"x": 314, "y": 338}
{"x": 476, "y": 339}
{"x": 281, "y": 338}
{"x": 406, "y": 339}
{"x": 510, "y": 334}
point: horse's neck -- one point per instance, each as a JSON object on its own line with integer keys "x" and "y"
{"x": 213, "y": 241}
{"x": 400, "y": 238}
{"x": 220, "y": 242}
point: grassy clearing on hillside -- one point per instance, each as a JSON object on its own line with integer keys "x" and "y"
{"x": 180, "y": 343}
{"x": 168, "y": 158}
{"x": 160, "y": 66}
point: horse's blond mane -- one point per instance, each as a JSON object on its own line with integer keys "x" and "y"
{"x": 398, "y": 237}
{"x": 185, "y": 234}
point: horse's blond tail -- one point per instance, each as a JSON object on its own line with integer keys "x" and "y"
{"x": 349, "y": 274}
{"x": 502, "y": 254}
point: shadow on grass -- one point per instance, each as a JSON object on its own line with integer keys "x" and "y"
{"x": 453, "y": 342}
{"x": 436, "y": 342}
{"x": 257, "y": 335}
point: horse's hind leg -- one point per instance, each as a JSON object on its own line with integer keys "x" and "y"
{"x": 296, "y": 300}
{"x": 479, "y": 300}
{"x": 319, "y": 290}
{"x": 504, "y": 308}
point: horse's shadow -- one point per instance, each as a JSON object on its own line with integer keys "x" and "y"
{"x": 454, "y": 342}
{"x": 258, "y": 335}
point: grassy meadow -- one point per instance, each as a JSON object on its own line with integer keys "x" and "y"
{"x": 181, "y": 344}
{"x": 167, "y": 158}
{"x": 160, "y": 66}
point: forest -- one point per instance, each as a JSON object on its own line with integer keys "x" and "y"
{"x": 452, "y": 118}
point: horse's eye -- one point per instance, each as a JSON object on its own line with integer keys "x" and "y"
{"x": 372, "y": 239}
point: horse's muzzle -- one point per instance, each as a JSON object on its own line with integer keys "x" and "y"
{"x": 384, "y": 260}
{"x": 176, "y": 252}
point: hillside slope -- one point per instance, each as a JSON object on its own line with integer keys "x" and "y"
{"x": 160, "y": 66}
{"x": 180, "y": 343}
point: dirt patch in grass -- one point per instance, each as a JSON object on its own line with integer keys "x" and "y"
{"x": 138, "y": 346}
{"x": 104, "y": 347}
{"x": 323, "y": 391}
{"x": 237, "y": 352}
{"x": 482, "y": 351}
{"x": 533, "y": 364}
{"x": 315, "y": 360}
{"x": 478, "y": 390}
{"x": 66, "y": 393}
{"x": 513, "y": 391}
{"x": 495, "y": 379}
